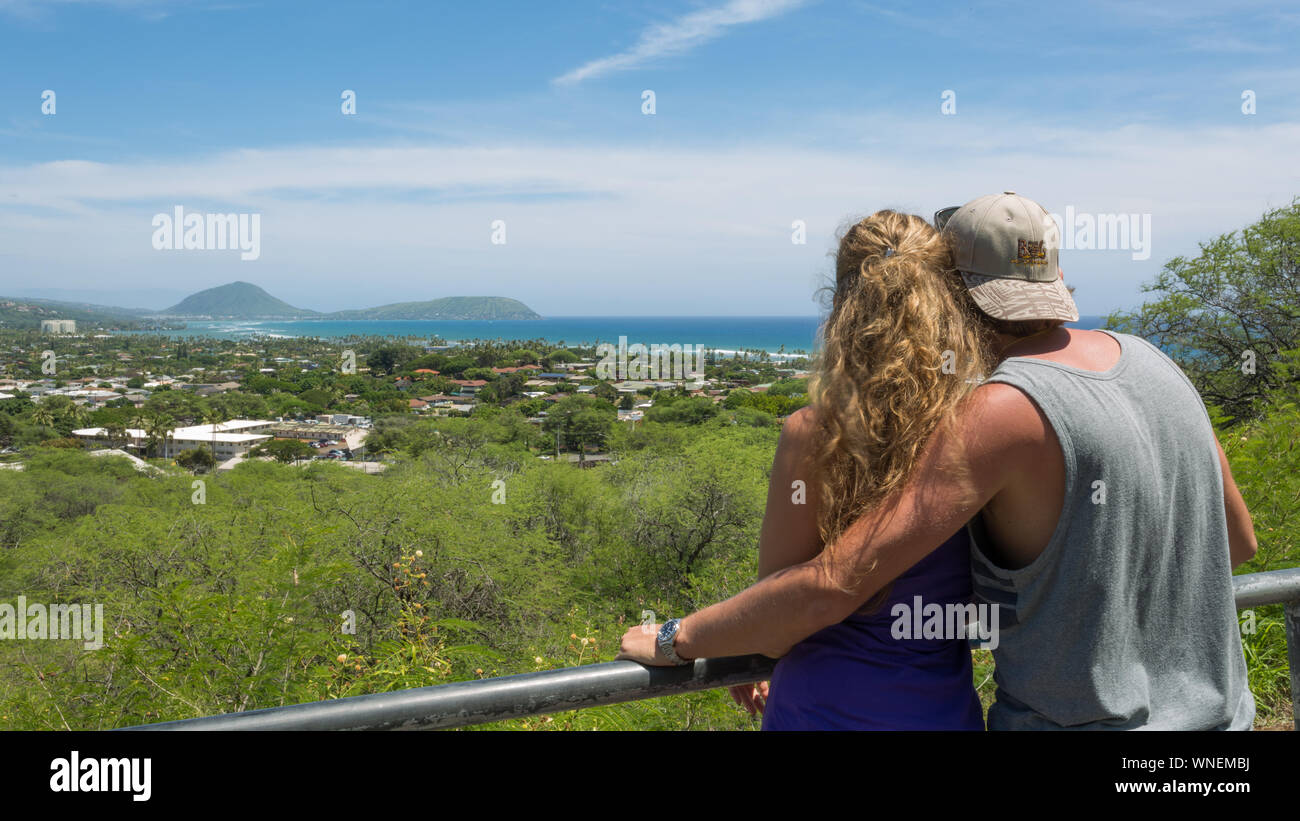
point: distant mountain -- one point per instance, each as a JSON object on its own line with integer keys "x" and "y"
{"x": 238, "y": 300}
{"x": 451, "y": 307}
{"x": 244, "y": 300}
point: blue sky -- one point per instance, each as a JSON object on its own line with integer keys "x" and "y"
{"x": 767, "y": 112}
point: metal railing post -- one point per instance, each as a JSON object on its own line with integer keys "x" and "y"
{"x": 1291, "y": 615}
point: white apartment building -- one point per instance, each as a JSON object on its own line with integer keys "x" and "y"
{"x": 225, "y": 439}
{"x": 58, "y": 326}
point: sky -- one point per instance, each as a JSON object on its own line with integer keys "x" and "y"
{"x": 509, "y": 148}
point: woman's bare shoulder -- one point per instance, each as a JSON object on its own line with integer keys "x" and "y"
{"x": 801, "y": 424}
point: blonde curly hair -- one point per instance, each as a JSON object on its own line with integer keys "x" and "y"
{"x": 903, "y": 346}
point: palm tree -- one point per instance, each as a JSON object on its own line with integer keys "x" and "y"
{"x": 75, "y": 415}
{"x": 159, "y": 428}
{"x": 137, "y": 419}
{"x": 43, "y": 416}
{"x": 215, "y": 416}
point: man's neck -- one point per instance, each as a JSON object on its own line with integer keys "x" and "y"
{"x": 1008, "y": 346}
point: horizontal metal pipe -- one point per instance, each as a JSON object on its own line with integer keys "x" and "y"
{"x": 1272, "y": 587}
{"x": 478, "y": 702}
{"x": 464, "y": 703}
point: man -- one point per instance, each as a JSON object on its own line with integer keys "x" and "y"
{"x": 1103, "y": 515}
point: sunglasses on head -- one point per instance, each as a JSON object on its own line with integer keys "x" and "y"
{"x": 942, "y": 216}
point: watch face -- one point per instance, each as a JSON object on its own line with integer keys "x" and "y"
{"x": 666, "y": 630}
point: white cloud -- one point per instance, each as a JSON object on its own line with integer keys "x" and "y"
{"x": 681, "y": 35}
{"x": 623, "y": 230}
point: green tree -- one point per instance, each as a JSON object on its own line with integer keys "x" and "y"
{"x": 690, "y": 410}
{"x": 197, "y": 460}
{"x": 580, "y": 421}
{"x": 1229, "y": 315}
{"x": 285, "y": 450}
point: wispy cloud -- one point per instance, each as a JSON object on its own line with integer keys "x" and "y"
{"x": 681, "y": 35}
{"x": 154, "y": 10}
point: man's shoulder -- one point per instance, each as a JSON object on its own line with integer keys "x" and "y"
{"x": 1002, "y": 422}
{"x": 1001, "y": 406}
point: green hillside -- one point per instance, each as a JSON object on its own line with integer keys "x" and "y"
{"x": 28, "y": 313}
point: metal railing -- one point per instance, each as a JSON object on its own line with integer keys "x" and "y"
{"x": 496, "y": 699}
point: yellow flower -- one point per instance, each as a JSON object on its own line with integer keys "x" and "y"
{"x": 538, "y": 659}
{"x": 419, "y": 553}
{"x": 343, "y": 657}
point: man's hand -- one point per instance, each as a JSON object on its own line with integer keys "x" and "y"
{"x": 640, "y": 643}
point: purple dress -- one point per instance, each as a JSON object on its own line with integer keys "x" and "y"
{"x": 855, "y": 676}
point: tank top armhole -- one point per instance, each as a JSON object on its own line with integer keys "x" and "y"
{"x": 1071, "y": 487}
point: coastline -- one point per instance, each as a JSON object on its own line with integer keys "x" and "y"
{"x": 777, "y": 336}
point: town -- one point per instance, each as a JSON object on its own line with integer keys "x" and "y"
{"x": 210, "y": 404}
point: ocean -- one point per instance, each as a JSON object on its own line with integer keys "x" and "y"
{"x": 773, "y": 334}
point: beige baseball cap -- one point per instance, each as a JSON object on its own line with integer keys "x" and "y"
{"x": 1005, "y": 246}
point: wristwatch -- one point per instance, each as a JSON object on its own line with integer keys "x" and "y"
{"x": 668, "y": 635}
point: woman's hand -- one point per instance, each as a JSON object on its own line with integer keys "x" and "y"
{"x": 753, "y": 697}
{"x": 640, "y": 643}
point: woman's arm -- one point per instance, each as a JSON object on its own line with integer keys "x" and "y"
{"x": 789, "y": 534}
{"x": 959, "y": 472}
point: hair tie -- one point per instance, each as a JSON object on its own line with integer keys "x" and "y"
{"x": 889, "y": 252}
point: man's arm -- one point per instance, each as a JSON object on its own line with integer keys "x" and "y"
{"x": 1241, "y": 530}
{"x": 960, "y": 470}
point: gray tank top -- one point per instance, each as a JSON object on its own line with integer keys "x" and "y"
{"x": 1126, "y": 620}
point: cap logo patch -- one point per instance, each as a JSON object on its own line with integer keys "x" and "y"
{"x": 1031, "y": 252}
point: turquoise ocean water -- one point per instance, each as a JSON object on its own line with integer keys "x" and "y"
{"x": 767, "y": 333}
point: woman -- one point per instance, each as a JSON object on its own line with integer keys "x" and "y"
{"x": 903, "y": 348}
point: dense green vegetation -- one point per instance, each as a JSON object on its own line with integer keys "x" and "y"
{"x": 238, "y": 602}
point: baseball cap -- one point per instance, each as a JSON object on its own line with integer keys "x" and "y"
{"x": 1005, "y": 247}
